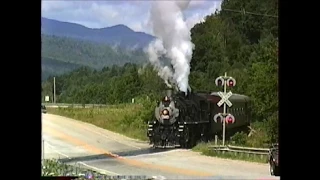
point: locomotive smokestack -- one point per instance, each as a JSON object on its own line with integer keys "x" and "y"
{"x": 169, "y": 92}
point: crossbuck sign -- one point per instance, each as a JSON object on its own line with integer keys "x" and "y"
{"x": 225, "y": 98}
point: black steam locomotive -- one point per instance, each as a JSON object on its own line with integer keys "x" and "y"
{"x": 183, "y": 120}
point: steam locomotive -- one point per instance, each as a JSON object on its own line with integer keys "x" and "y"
{"x": 182, "y": 120}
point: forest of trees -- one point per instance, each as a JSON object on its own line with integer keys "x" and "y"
{"x": 243, "y": 45}
{"x": 62, "y": 54}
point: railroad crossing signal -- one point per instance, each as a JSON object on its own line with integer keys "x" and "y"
{"x": 218, "y": 117}
{"x": 225, "y": 98}
{"x": 231, "y": 82}
{"x": 224, "y": 117}
{"x": 230, "y": 119}
{"x": 220, "y": 81}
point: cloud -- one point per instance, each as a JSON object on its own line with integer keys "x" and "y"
{"x": 132, "y": 13}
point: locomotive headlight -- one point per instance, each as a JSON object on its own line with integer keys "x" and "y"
{"x": 165, "y": 112}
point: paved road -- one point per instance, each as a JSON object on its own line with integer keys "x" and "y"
{"x": 85, "y": 144}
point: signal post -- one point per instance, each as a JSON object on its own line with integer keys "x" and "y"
{"x": 224, "y": 118}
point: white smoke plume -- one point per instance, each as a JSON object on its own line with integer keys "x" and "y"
{"x": 155, "y": 50}
{"x": 174, "y": 41}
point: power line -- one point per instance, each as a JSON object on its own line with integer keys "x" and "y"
{"x": 247, "y": 12}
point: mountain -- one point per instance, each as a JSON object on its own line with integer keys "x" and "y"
{"x": 62, "y": 54}
{"x": 52, "y": 66}
{"x": 119, "y": 35}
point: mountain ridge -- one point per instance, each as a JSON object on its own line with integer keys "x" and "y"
{"x": 117, "y": 35}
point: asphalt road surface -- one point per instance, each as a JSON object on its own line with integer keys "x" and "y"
{"x": 76, "y": 142}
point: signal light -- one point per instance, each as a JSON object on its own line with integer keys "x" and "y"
{"x": 219, "y": 81}
{"x": 230, "y": 119}
{"x": 218, "y": 118}
{"x": 231, "y": 82}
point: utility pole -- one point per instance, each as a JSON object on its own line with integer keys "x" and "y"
{"x": 224, "y": 117}
{"x": 54, "y": 90}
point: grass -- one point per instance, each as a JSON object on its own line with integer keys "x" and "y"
{"x": 52, "y": 167}
{"x": 204, "y": 149}
{"x": 126, "y": 119}
{"x": 56, "y": 168}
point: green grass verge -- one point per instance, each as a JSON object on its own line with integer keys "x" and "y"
{"x": 126, "y": 119}
{"x": 204, "y": 149}
{"x": 52, "y": 167}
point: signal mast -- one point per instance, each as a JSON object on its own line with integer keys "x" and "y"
{"x": 224, "y": 118}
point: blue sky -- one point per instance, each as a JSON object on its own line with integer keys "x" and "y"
{"x": 105, "y": 13}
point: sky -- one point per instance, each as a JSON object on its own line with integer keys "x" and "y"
{"x": 106, "y": 13}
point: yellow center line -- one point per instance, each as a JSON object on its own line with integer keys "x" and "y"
{"x": 92, "y": 149}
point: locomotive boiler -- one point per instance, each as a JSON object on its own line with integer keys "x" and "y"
{"x": 183, "y": 120}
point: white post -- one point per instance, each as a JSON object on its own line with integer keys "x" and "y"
{"x": 224, "y": 112}
{"x": 216, "y": 139}
{"x": 54, "y": 90}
